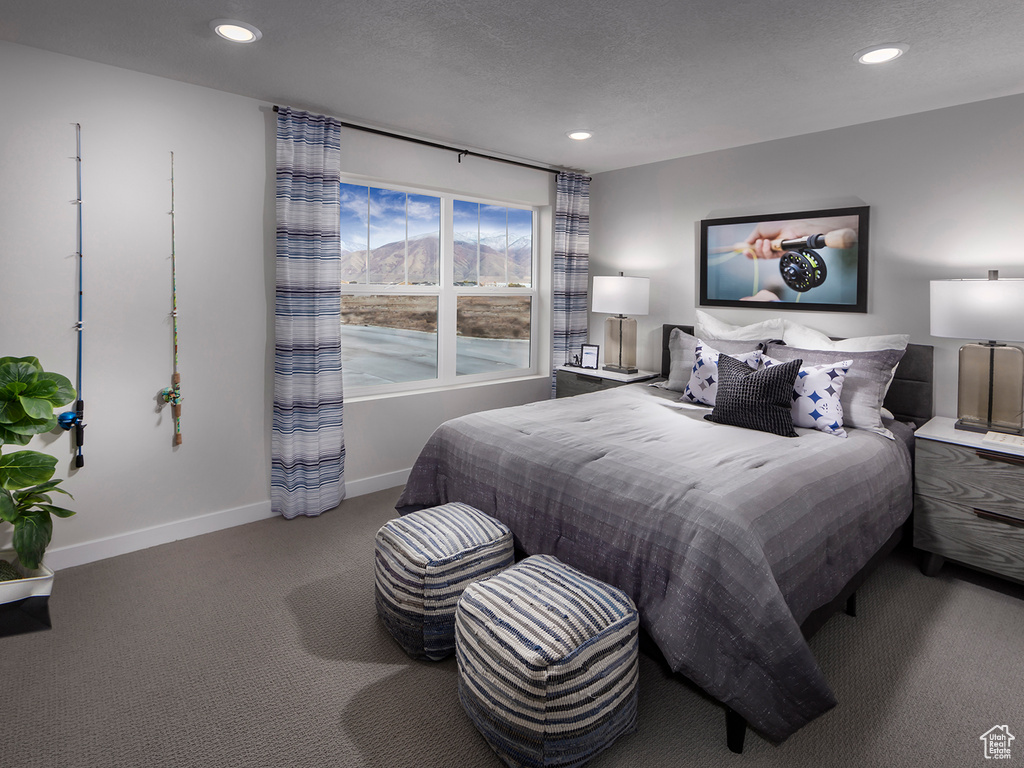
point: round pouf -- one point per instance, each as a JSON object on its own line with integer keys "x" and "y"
{"x": 423, "y": 562}
{"x": 548, "y": 663}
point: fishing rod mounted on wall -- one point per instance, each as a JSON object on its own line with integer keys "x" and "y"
{"x": 172, "y": 394}
{"x": 74, "y": 420}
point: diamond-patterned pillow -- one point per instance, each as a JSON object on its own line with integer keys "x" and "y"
{"x": 816, "y": 391}
{"x": 760, "y": 400}
{"x": 703, "y": 384}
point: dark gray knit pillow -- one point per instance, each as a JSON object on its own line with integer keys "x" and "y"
{"x": 761, "y": 400}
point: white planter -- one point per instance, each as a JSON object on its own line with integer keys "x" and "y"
{"x": 37, "y": 583}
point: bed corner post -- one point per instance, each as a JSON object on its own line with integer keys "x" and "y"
{"x": 735, "y": 731}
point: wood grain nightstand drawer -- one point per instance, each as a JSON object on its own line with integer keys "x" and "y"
{"x": 959, "y": 533}
{"x": 972, "y": 477}
{"x": 569, "y": 384}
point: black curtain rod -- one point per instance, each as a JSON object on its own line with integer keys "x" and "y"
{"x": 461, "y": 152}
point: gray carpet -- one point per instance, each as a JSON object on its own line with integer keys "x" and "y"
{"x": 259, "y": 647}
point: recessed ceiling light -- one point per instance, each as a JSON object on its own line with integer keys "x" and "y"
{"x": 879, "y": 54}
{"x": 579, "y": 134}
{"x": 236, "y": 31}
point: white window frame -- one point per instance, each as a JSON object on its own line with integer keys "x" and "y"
{"x": 448, "y": 294}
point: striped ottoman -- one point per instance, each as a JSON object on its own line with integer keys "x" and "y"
{"x": 548, "y": 663}
{"x": 423, "y": 561}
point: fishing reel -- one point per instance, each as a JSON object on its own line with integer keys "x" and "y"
{"x": 803, "y": 268}
{"x": 172, "y": 394}
{"x": 69, "y": 420}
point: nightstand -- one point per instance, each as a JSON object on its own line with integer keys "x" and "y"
{"x": 968, "y": 501}
{"x": 570, "y": 380}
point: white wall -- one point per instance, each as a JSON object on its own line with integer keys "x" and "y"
{"x": 944, "y": 188}
{"x": 136, "y": 489}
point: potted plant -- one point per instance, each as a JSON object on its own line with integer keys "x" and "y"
{"x": 28, "y": 397}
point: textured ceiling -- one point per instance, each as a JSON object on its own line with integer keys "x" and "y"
{"x": 652, "y": 79}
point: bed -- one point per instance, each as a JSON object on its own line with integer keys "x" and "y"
{"x": 733, "y": 549}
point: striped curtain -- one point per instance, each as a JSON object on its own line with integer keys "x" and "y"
{"x": 308, "y": 442}
{"x": 571, "y": 270}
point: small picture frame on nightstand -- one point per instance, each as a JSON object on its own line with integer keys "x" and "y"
{"x": 589, "y": 356}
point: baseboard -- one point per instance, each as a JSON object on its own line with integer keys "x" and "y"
{"x": 100, "y": 549}
{"x": 376, "y": 483}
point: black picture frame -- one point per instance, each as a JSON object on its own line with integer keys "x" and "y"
{"x": 808, "y": 274}
{"x": 590, "y": 353}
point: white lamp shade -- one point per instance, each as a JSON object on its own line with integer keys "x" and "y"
{"x": 621, "y": 295}
{"x": 989, "y": 310}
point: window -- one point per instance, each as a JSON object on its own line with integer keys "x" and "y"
{"x": 437, "y": 289}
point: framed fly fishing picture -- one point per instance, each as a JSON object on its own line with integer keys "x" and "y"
{"x": 808, "y": 260}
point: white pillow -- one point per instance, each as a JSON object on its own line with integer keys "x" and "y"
{"x": 816, "y": 395}
{"x": 797, "y": 335}
{"x": 703, "y": 384}
{"x": 708, "y": 327}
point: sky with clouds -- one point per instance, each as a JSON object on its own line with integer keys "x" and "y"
{"x": 379, "y": 216}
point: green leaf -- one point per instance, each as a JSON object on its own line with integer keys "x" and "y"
{"x": 41, "y": 389}
{"x": 38, "y": 495}
{"x": 33, "y": 426}
{"x": 12, "y": 389}
{"x": 24, "y": 468}
{"x": 64, "y": 393}
{"x": 11, "y": 410}
{"x": 12, "y": 438}
{"x": 28, "y": 397}
{"x": 30, "y": 500}
{"x": 58, "y": 511}
{"x": 49, "y": 485}
{"x": 30, "y": 360}
{"x": 35, "y": 407}
{"x": 8, "y": 510}
{"x": 19, "y": 371}
{"x": 32, "y": 535}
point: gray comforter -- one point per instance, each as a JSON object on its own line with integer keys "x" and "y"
{"x": 725, "y": 538}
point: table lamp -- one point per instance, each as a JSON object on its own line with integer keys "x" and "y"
{"x": 990, "y": 392}
{"x": 620, "y": 296}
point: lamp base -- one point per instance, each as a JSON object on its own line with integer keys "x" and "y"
{"x": 981, "y": 426}
{"x": 620, "y": 344}
{"x": 990, "y": 391}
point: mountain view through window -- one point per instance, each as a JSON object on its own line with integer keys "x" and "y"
{"x": 396, "y": 274}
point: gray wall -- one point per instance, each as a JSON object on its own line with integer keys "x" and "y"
{"x": 136, "y": 490}
{"x": 946, "y": 195}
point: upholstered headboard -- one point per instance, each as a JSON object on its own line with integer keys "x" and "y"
{"x": 910, "y": 394}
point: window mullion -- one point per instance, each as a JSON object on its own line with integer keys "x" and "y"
{"x": 366, "y": 253}
{"x": 447, "y": 304}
